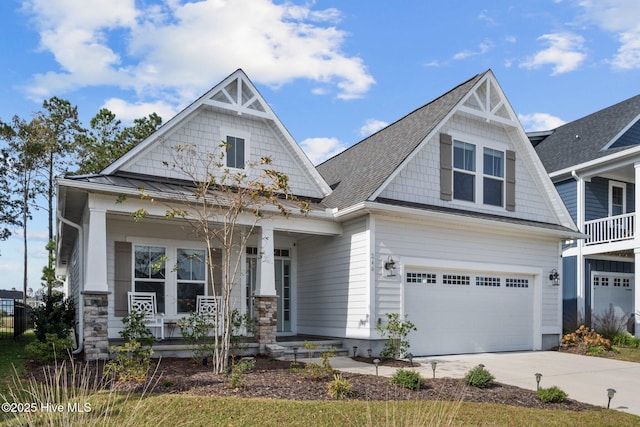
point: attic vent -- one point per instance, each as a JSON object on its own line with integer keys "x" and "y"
{"x": 334, "y": 186}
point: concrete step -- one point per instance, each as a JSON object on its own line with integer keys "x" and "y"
{"x": 301, "y": 350}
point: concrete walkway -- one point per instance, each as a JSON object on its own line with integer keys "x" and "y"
{"x": 583, "y": 378}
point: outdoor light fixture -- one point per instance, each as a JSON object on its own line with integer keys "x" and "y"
{"x": 295, "y": 354}
{"x": 390, "y": 266}
{"x": 369, "y": 353}
{"x": 554, "y": 277}
{"x": 433, "y": 367}
{"x": 376, "y": 362}
{"x": 481, "y": 365}
{"x": 410, "y": 357}
{"x": 538, "y": 378}
{"x": 610, "y": 393}
{"x": 355, "y": 350}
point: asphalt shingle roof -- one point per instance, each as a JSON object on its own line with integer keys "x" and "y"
{"x": 584, "y": 139}
{"x": 356, "y": 173}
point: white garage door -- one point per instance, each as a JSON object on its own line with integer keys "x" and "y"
{"x": 464, "y": 312}
{"x": 613, "y": 290}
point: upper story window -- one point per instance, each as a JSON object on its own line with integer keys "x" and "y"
{"x": 617, "y": 198}
{"x": 235, "y": 152}
{"x": 464, "y": 168}
{"x": 493, "y": 181}
{"x": 478, "y": 173}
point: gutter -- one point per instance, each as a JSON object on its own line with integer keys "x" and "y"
{"x": 80, "y": 307}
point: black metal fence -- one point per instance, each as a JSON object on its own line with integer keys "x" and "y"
{"x": 15, "y": 318}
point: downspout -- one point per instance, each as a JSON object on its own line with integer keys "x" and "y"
{"x": 80, "y": 306}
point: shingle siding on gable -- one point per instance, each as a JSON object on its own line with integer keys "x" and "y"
{"x": 203, "y": 130}
{"x": 419, "y": 181}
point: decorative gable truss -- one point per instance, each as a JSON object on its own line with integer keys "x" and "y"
{"x": 238, "y": 95}
{"x": 489, "y": 103}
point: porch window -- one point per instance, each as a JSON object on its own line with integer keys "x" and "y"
{"x": 191, "y": 274}
{"x": 149, "y": 272}
{"x": 464, "y": 168}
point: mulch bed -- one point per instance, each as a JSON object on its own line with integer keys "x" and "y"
{"x": 273, "y": 379}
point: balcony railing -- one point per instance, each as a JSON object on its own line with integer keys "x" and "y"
{"x": 610, "y": 229}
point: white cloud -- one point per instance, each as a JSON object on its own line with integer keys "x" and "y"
{"x": 175, "y": 51}
{"x": 320, "y": 149}
{"x": 621, "y": 18}
{"x": 565, "y": 53}
{"x": 372, "y": 126}
{"x": 482, "y": 49}
{"x": 128, "y": 112}
{"x": 539, "y": 121}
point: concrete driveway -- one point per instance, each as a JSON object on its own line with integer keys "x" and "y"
{"x": 583, "y": 378}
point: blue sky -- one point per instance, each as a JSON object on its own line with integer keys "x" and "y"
{"x": 333, "y": 71}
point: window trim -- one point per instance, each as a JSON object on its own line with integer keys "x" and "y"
{"x": 480, "y": 145}
{"x": 236, "y": 133}
{"x": 623, "y": 186}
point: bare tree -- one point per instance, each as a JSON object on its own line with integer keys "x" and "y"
{"x": 223, "y": 208}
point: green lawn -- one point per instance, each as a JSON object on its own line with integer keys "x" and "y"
{"x": 629, "y": 354}
{"x": 12, "y": 354}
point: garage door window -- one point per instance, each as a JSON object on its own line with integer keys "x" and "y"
{"x": 487, "y": 281}
{"x": 516, "y": 283}
{"x": 454, "y": 279}
{"x": 427, "y": 278}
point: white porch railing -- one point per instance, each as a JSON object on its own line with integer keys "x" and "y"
{"x": 610, "y": 229}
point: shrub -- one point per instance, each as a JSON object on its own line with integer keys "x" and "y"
{"x": 131, "y": 362}
{"x": 340, "y": 387}
{"x": 238, "y": 370}
{"x": 609, "y": 323}
{"x": 626, "y": 340}
{"x": 53, "y": 348}
{"x": 395, "y": 330}
{"x": 55, "y": 316}
{"x": 195, "y": 329}
{"x": 552, "y": 395}
{"x": 585, "y": 338}
{"x": 407, "y": 378}
{"x": 133, "y": 359}
{"x": 316, "y": 372}
{"x": 479, "y": 377}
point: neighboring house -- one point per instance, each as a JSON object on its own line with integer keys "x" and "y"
{"x": 446, "y": 216}
{"x": 594, "y": 163}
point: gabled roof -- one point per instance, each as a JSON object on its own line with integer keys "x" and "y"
{"x": 356, "y": 173}
{"x": 236, "y": 94}
{"x": 597, "y": 135}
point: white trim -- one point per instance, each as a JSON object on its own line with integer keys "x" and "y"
{"x": 601, "y": 161}
{"x": 236, "y": 133}
{"x": 622, "y": 185}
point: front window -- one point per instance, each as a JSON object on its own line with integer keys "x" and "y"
{"x": 149, "y": 274}
{"x": 493, "y": 180}
{"x": 191, "y": 275}
{"x": 464, "y": 168}
{"x": 617, "y": 198}
{"x": 235, "y": 152}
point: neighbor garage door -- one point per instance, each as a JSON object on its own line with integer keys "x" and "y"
{"x": 468, "y": 312}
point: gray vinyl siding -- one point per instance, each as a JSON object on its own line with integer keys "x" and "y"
{"x": 596, "y": 198}
{"x": 568, "y": 193}
{"x": 333, "y": 283}
{"x": 569, "y": 293}
{"x": 630, "y": 138}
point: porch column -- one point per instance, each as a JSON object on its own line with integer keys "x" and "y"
{"x": 581, "y": 283}
{"x": 636, "y": 251}
{"x": 266, "y": 302}
{"x": 96, "y": 271}
{"x": 96, "y": 290}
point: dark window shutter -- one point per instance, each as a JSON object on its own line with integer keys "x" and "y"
{"x": 446, "y": 167}
{"x": 122, "y": 278}
{"x": 510, "y": 178}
